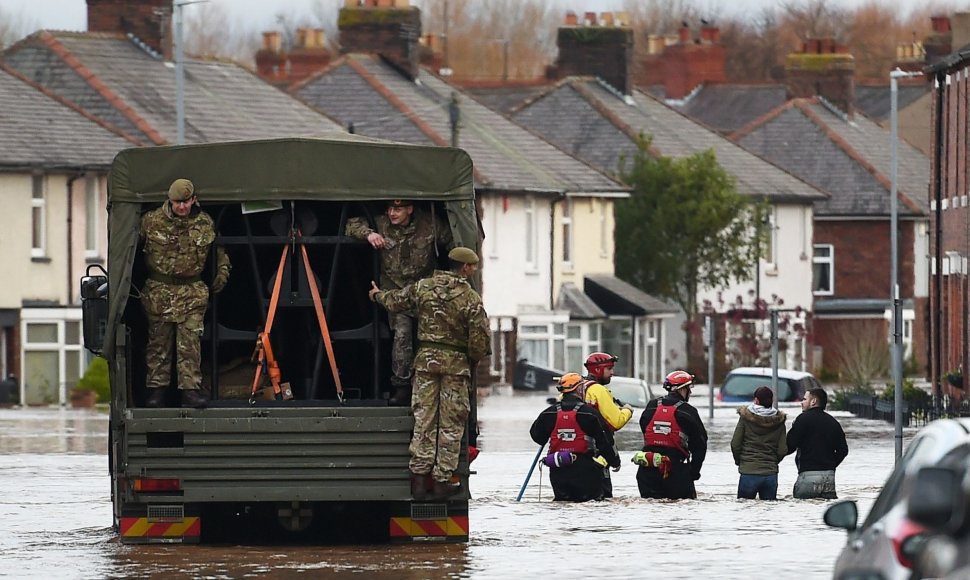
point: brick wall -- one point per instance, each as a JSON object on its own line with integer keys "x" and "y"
{"x": 391, "y": 32}
{"x": 687, "y": 65}
{"x": 149, "y": 20}
{"x": 862, "y": 254}
{"x": 596, "y": 51}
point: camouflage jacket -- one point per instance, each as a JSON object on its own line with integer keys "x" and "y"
{"x": 178, "y": 247}
{"x": 410, "y": 251}
{"x": 452, "y": 324}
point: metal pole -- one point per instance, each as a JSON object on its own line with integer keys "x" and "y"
{"x": 774, "y": 357}
{"x": 897, "y": 306}
{"x": 505, "y": 60}
{"x": 709, "y": 322}
{"x": 179, "y": 76}
{"x": 528, "y": 476}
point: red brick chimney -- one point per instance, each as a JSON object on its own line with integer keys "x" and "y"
{"x": 150, "y": 21}
{"x": 271, "y": 63}
{"x": 390, "y": 28}
{"x": 308, "y": 55}
{"x": 939, "y": 43}
{"x": 605, "y": 51}
{"x": 822, "y": 68}
{"x": 689, "y": 63}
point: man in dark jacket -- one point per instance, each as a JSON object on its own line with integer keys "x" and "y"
{"x": 576, "y": 434}
{"x": 758, "y": 445}
{"x": 818, "y": 442}
{"x": 674, "y": 442}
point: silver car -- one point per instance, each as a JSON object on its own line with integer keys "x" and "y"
{"x": 884, "y": 545}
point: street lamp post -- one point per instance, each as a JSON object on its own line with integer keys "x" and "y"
{"x": 897, "y": 307}
{"x": 179, "y": 68}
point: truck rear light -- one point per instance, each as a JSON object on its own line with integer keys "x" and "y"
{"x": 156, "y": 484}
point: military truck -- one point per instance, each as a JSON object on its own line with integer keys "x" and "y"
{"x": 322, "y": 465}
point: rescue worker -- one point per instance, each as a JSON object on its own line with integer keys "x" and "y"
{"x": 616, "y": 414}
{"x": 177, "y": 239}
{"x": 674, "y": 442}
{"x": 453, "y": 335}
{"x": 408, "y": 240}
{"x": 576, "y": 435}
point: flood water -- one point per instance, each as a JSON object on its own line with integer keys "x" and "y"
{"x": 56, "y": 514}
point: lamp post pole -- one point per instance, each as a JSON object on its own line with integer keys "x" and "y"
{"x": 179, "y": 68}
{"x": 897, "y": 307}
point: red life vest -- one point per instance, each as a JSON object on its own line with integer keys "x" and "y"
{"x": 663, "y": 430}
{"x": 567, "y": 435}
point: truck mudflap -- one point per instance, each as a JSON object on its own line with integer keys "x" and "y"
{"x": 161, "y": 525}
{"x": 430, "y": 522}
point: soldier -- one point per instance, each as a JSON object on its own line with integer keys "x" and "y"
{"x": 453, "y": 336}
{"x": 177, "y": 238}
{"x": 408, "y": 240}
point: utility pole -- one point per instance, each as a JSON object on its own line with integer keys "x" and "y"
{"x": 179, "y": 68}
{"x": 897, "y": 306}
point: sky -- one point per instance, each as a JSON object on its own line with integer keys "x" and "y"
{"x": 260, "y": 14}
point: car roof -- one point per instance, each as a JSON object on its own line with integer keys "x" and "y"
{"x": 766, "y": 372}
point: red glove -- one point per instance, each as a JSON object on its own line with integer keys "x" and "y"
{"x": 472, "y": 453}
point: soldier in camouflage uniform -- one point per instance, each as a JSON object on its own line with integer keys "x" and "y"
{"x": 177, "y": 238}
{"x": 453, "y": 336}
{"x": 408, "y": 240}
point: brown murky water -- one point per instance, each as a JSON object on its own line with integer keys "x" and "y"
{"x": 56, "y": 514}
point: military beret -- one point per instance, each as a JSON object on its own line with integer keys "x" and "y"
{"x": 463, "y": 255}
{"x": 181, "y": 190}
{"x": 400, "y": 203}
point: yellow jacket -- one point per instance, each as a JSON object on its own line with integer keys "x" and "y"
{"x": 600, "y": 397}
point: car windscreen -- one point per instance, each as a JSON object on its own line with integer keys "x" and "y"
{"x": 745, "y": 385}
{"x": 632, "y": 393}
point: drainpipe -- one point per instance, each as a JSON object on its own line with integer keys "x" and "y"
{"x": 561, "y": 196}
{"x": 70, "y": 233}
{"x": 938, "y": 234}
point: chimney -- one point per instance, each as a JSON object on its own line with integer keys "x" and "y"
{"x": 603, "y": 52}
{"x": 940, "y": 24}
{"x": 960, "y": 30}
{"x": 822, "y": 68}
{"x": 308, "y": 55}
{"x": 939, "y": 43}
{"x": 150, "y": 21}
{"x": 271, "y": 60}
{"x": 430, "y": 51}
{"x": 683, "y": 35}
{"x": 685, "y": 65}
{"x": 390, "y": 28}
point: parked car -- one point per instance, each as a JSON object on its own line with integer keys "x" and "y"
{"x": 741, "y": 383}
{"x": 631, "y": 390}
{"x": 886, "y": 542}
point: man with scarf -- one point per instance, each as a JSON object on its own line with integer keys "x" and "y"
{"x": 758, "y": 446}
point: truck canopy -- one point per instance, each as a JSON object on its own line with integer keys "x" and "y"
{"x": 343, "y": 167}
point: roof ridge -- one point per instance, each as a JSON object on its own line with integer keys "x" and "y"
{"x": 71, "y": 105}
{"x": 551, "y": 88}
{"x": 95, "y": 83}
{"x": 292, "y": 89}
{"x": 753, "y": 124}
{"x": 612, "y": 117}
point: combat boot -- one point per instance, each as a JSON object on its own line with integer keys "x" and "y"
{"x": 419, "y": 485}
{"x": 156, "y": 398}
{"x": 193, "y": 398}
{"x": 444, "y": 489}
{"x": 401, "y": 397}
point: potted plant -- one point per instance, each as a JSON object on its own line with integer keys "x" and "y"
{"x": 93, "y": 386}
{"x": 955, "y": 378}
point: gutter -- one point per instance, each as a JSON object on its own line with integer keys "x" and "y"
{"x": 70, "y": 233}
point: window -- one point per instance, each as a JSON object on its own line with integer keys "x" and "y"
{"x": 38, "y": 232}
{"x": 823, "y": 270}
{"x": 771, "y": 235}
{"x": 544, "y": 345}
{"x": 567, "y": 234}
{"x": 52, "y": 354}
{"x": 91, "y": 221}
{"x": 531, "y": 236}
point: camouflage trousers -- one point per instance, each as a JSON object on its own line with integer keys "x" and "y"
{"x": 402, "y": 349}
{"x": 187, "y": 337}
{"x": 441, "y": 404}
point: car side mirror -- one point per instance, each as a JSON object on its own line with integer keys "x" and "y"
{"x": 844, "y": 515}
{"x": 937, "y": 500}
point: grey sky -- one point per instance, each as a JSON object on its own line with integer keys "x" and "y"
{"x": 72, "y": 14}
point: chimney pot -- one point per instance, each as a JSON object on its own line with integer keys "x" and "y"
{"x": 622, "y": 19}
{"x": 606, "y": 18}
{"x": 940, "y": 23}
{"x": 571, "y": 18}
{"x": 271, "y": 41}
{"x": 589, "y": 19}
{"x": 683, "y": 35}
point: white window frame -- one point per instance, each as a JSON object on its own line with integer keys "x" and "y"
{"x": 59, "y": 317}
{"x": 771, "y": 250}
{"x": 531, "y": 235}
{"x": 92, "y": 219}
{"x": 604, "y": 231}
{"x": 567, "y": 235}
{"x": 830, "y": 260}
{"x": 38, "y": 225}
{"x": 549, "y": 328}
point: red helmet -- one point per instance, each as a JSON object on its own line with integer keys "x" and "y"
{"x": 678, "y": 380}
{"x": 598, "y": 359}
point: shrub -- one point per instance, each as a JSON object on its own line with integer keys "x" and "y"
{"x": 840, "y": 401}
{"x": 913, "y": 395}
{"x": 96, "y": 379}
{"x": 862, "y": 354}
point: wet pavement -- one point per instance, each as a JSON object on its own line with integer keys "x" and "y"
{"x": 56, "y": 514}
